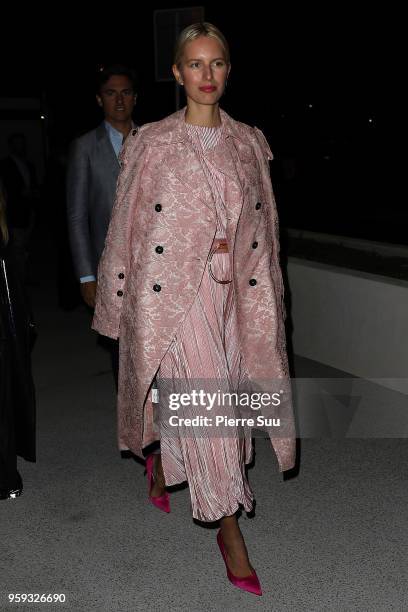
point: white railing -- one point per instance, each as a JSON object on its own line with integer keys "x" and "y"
{"x": 353, "y": 321}
{"x": 380, "y": 248}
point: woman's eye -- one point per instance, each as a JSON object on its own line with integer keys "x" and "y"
{"x": 194, "y": 65}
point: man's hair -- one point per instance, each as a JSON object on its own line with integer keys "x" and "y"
{"x": 105, "y": 72}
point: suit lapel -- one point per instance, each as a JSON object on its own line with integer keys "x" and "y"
{"x": 107, "y": 150}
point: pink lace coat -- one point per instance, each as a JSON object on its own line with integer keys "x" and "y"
{"x": 163, "y": 199}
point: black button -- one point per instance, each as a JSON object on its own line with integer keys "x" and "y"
{"x": 159, "y": 249}
{"x": 134, "y": 132}
{"x": 158, "y": 207}
{"x": 119, "y": 293}
{"x": 121, "y": 275}
{"x": 258, "y": 205}
{"x": 252, "y": 282}
{"x": 156, "y": 288}
{"x": 254, "y": 244}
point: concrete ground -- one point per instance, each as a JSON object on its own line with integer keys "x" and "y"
{"x": 331, "y": 538}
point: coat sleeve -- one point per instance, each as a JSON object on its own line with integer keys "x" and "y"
{"x": 264, "y": 155}
{"x": 78, "y": 209}
{"x": 114, "y": 264}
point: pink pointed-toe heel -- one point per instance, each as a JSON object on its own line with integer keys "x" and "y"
{"x": 247, "y": 583}
{"x": 162, "y": 501}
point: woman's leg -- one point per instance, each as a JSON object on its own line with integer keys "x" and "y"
{"x": 236, "y": 551}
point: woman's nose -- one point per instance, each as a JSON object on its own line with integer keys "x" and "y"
{"x": 207, "y": 73}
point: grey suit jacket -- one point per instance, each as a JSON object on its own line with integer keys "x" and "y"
{"x": 92, "y": 173}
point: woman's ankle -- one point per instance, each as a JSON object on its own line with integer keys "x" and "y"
{"x": 158, "y": 474}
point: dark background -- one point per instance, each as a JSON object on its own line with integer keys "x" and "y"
{"x": 313, "y": 78}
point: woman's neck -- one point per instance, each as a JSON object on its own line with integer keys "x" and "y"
{"x": 202, "y": 114}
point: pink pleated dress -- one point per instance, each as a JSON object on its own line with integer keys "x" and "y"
{"x": 205, "y": 353}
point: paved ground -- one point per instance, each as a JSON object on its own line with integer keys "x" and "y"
{"x": 333, "y": 537}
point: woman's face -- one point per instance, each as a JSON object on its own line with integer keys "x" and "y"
{"x": 203, "y": 70}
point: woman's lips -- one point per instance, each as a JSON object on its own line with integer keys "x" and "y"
{"x": 208, "y": 88}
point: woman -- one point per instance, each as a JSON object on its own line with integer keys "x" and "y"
{"x": 190, "y": 281}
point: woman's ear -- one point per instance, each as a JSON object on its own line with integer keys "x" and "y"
{"x": 99, "y": 100}
{"x": 177, "y": 74}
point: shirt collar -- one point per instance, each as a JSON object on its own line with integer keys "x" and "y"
{"x": 113, "y": 131}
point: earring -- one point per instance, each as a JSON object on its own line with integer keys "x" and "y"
{"x": 181, "y": 82}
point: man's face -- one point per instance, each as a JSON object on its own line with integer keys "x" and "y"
{"x": 117, "y": 99}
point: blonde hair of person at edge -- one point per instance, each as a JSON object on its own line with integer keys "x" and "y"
{"x": 190, "y": 281}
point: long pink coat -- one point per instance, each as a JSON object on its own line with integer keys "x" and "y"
{"x": 163, "y": 199}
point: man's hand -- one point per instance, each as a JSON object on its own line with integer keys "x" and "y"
{"x": 88, "y": 292}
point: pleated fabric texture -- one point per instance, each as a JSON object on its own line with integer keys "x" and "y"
{"x": 206, "y": 352}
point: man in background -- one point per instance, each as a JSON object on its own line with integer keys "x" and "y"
{"x": 93, "y": 169}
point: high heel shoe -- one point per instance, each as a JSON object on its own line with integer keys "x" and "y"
{"x": 161, "y": 501}
{"x": 247, "y": 583}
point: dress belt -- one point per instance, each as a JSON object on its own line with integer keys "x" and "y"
{"x": 219, "y": 245}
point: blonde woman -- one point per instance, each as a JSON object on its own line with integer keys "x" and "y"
{"x": 190, "y": 282}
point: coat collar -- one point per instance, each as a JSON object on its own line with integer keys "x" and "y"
{"x": 172, "y": 129}
{"x": 183, "y": 162}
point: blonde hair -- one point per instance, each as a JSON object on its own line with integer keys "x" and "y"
{"x": 194, "y": 31}
{"x": 3, "y": 223}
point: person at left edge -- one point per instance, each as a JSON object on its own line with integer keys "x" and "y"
{"x": 17, "y": 392}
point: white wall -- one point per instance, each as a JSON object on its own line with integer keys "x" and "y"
{"x": 353, "y": 321}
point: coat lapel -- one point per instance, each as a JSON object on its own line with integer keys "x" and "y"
{"x": 235, "y": 159}
{"x": 185, "y": 165}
